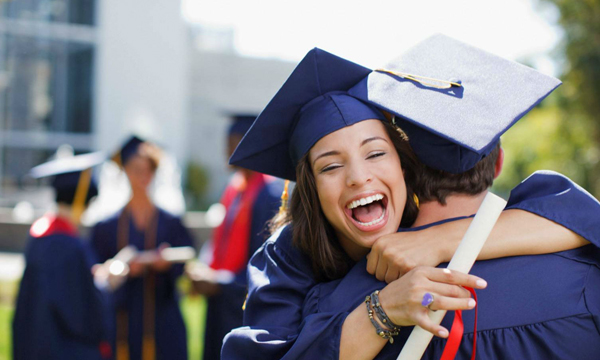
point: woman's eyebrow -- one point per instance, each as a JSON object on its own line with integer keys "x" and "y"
{"x": 366, "y": 141}
{"x": 328, "y": 153}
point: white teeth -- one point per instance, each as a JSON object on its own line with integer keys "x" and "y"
{"x": 374, "y": 222}
{"x": 364, "y": 201}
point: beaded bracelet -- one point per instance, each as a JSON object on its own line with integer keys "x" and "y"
{"x": 385, "y": 320}
{"x": 384, "y": 333}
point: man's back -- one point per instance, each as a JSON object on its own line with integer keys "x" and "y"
{"x": 59, "y": 313}
{"x": 535, "y": 307}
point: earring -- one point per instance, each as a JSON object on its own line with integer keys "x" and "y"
{"x": 416, "y": 200}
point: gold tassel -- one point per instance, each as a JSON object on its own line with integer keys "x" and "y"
{"x": 78, "y": 206}
{"x": 284, "y": 198}
{"x": 148, "y": 348}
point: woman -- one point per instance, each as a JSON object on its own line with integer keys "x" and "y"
{"x": 149, "y": 324}
{"x": 323, "y": 242}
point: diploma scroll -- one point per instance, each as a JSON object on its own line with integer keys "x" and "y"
{"x": 462, "y": 261}
{"x": 114, "y": 271}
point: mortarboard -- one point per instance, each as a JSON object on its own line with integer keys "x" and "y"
{"x": 71, "y": 178}
{"x": 453, "y": 100}
{"x": 240, "y": 124}
{"x": 128, "y": 150}
{"x": 311, "y": 104}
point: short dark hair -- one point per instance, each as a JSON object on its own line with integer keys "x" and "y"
{"x": 314, "y": 235}
{"x": 437, "y": 185}
{"x": 67, "y": 196}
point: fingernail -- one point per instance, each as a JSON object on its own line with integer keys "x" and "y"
{"x": 447, "y": 271}
{"x": 442, "y": 333}
{"x": 481, "y": 283}
{"x": 471, "y": 303}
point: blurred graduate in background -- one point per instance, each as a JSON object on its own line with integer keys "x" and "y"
{"x": 250, "y": 200}
{"x": 60, "y": 314}
{"x": 148, "y": 321}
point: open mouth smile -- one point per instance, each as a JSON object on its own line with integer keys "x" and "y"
{"x": 368, "y": 212}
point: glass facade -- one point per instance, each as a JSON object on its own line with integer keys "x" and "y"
{"x": 80, "y": 12}
{"x": 46, "y": 81}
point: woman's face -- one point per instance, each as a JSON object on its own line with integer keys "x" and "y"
{"x": 140, "y": 172}
{"x": 360, "y": 184}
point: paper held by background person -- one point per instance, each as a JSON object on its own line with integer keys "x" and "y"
{"x": 113, "y": 273}
{"x": 462, "y": 261}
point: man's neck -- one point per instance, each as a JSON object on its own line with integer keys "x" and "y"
{"x": 65, "y": 212}
{"x": 456, "y": 206}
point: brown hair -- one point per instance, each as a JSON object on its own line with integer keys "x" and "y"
{"x": 311, "y": 231}
{"x": 436, "y": 185}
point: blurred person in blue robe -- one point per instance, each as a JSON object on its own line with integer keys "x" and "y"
{"x": 60, "y": 314}
{"x": 147, "y": 318}
{"x": 250, "y": 200}
{"x": 282, "y": 323}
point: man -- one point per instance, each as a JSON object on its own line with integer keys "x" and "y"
{"x": 250, "y": 199}
{"x": 60, "y": 314}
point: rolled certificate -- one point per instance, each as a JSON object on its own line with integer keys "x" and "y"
{"x": 179, "y": 254}
{"x": 462, "y": 261}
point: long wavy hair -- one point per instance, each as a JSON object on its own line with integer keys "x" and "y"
{"x": 311, "y": 231}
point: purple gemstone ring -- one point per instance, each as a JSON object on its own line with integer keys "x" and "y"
{"x": 427, "y": 300}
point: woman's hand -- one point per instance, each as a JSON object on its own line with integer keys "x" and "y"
{"x": 402, "y": 298}
{"x": 396, "y": 254}
{"x": 160, "y": 264}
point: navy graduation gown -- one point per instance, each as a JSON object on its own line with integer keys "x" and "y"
{"x": 281, "y": 323}
{"x": 59, "y": 314}
{"x": 169, "y": 334}
{"x": 224, "y": 310}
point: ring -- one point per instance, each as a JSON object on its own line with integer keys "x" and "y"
{"x": 427, "y": 300}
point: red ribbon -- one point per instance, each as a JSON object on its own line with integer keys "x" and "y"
{"x": 456, "y": 333}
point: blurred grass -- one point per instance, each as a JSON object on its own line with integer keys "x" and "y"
{"x": 193, "y": 309}
{"x": 6, "y": 312}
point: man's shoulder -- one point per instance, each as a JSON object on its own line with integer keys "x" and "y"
{"x": 526, "y": 290}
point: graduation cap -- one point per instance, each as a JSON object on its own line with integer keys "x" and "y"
{"x": 453, "y": 100}
{"x": 312, "y": 103}
{"x": 71, "y": 178}
{"x": 240, "y": 124}
{"x": 127, "y": 150}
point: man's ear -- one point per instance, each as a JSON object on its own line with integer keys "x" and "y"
{"x": 499, "y": 163}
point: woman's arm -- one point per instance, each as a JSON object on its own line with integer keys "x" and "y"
{"x": 401, "y": 300}
{"x": 546, "y": 213}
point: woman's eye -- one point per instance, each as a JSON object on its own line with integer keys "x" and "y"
{"x": 375, "y": 155}
{"x": 329, "y": 168}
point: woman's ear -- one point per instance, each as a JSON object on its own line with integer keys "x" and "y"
{"x": 499, "y": 163}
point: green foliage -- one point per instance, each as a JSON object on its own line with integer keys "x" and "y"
{"x": 196, "y": 185}
{"x": 578, "y": 97}
{"x": 544, "y": 140}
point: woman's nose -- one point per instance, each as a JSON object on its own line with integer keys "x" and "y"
{"x": 358, "y": 176}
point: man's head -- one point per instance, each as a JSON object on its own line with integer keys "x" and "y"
{"x": 239, "y": 127}
{"x": 436, "y": 185}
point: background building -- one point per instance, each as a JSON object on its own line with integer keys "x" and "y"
{"x": 87, "y": 73}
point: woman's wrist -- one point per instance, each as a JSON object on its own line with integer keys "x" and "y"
{"x": 453, "y": 234}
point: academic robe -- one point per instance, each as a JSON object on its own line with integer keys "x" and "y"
{"x": 288, "y": 317}
{"x": 59, "y": 314}
{"x": 224, "y": 310}
{"x": 169, "y": 329}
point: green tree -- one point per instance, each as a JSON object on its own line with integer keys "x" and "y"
{"x": 563, "y": 134}
{"x": 578, "y": 98}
